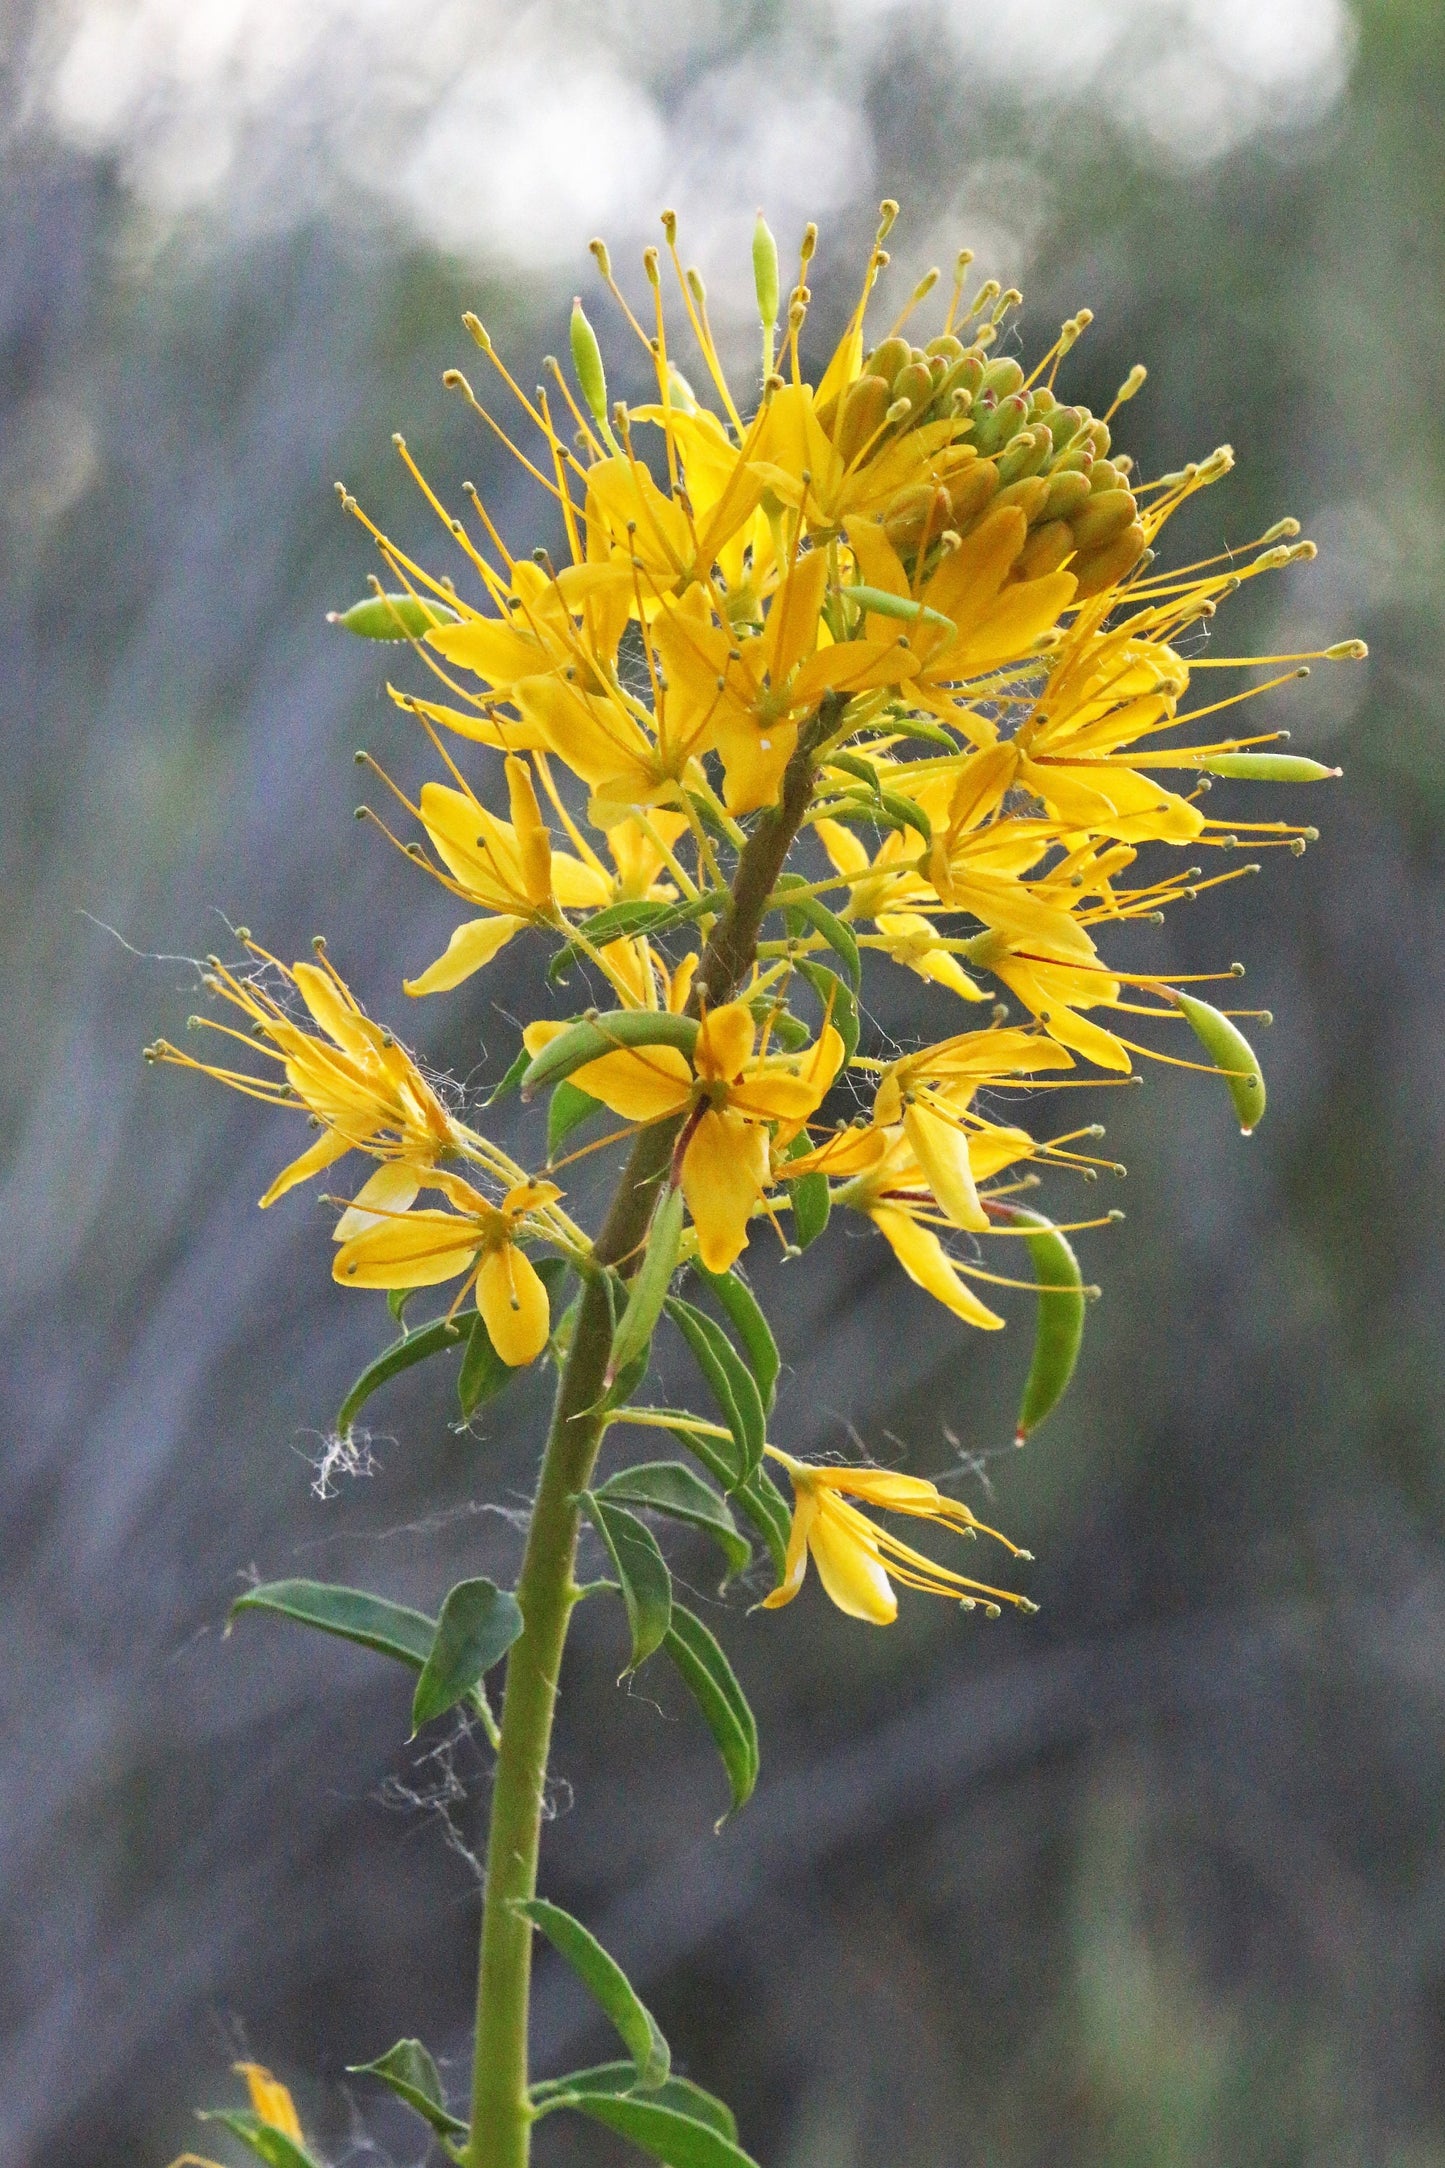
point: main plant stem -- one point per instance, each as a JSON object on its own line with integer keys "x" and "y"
{"x": 546, "y": 1591}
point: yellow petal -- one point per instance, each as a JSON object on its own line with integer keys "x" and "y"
{"x": 512, "y": 1298}
{"x": 471, "y": 946}
{"x": 421, "y": 1250}
{"x": 723, "y": 1172}
{"x": 271, "y": 2100}
{"x": 338, "y": 1017}
{"x": 389, "y": 1190}
{"x": 941, "y": 1150}
{"x": 725, "y": 1041}
{"x": 641, "y": 1083}
{"x": 929, "y": 1266}
{"x": 324, "y": 1153}
{"x": 534, "y": 844}
{"x": 845, "y": 1552}
{"x": 795, "y": 1565}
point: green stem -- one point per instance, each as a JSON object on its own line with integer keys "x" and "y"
{"x": 546, "y": 1591}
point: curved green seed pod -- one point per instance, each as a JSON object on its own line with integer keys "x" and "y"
{"x": 884, "y": 604}
{"x": 1059, "y": 1333}
{"x": 1232, "y": 1055}
{"x": 587, "y": 361}
{"x": 1269, "y": 768}
{"x": 599, "y": 1035}
{"x": 392, "y": 617}
{"x": 650, "y": 1283}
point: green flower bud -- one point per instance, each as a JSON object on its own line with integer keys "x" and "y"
{"x": 392, "y": 617}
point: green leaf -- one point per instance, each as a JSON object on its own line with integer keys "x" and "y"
{"x": 593, "y": 1037}
{"x": 397, "y": 1299}
{"x": 567, "y": 1109}
{"x": 648, "y": 1287}
{"x": 816, "y": 913}
{"x": 1059, "y": 1331}
{"x": 612, "y": 2079}
{"x": 393, "y": 617}
{"x": 412, "y": 1347}
{"x": 511, "y": 1080}
{"x": 733, "y": 1385}
{"x": 635, "y": 915}
{"x": 478, "y": 1624}
{"x": 412, "y": 2075}
{"x": 783, "y": 1028}
{"x": 680, "y": 2141}
{"x": 483, "y": 1373}
{"x": 393, "y": 1629}
{"x": 715, "y": 1689}
{"x": 642, "y": 1571}
{"x": 609, "y": 1987}
{"x": 757, "y": 1496}
{"x": 269, "y": 2144}
{"x": 667, "y": 1486}
{"x": 753, "y": 1329}
{"x": 812, "y": 1204}
{"x": 839, "y": 1005}
{"x": 914, "y": 726}
{"x": 1232, "y": 1055}
{"x": 905, "y": 814}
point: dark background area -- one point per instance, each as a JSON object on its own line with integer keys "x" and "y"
{"x": 1154, "y": 1878}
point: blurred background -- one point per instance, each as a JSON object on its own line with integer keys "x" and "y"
{"x": 1155, "y": 1878}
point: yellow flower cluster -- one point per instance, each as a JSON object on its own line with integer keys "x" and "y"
{"x": 911, "y": 614}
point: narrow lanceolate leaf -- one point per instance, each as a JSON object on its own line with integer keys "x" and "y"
{"x": 756, "y": 1497}
{"x": 1059, "y": 1332}
{"x": 648, "y": 1288}
{"x": 729, "y": 1378}
{"x": 679, "y": 2141}
{"x": 715, "y": 1689}
{"x": 642, "y": 1571}
{"x": 510, "y": 1081}
{"x": 752, "y": 1327}
{"x": 668, "y": 1486}
{"x": 624, "y": 921}
{"x": 611, "y": 2079}
{"x": 263, "y": 2139}
{"x": 1232, "y": 1055}
{"x": 392, "y": 1629}
{"x": 393, "y": 617}
{"x": 812, "y": 1203}
{"x": 609, "y": 1987}
{"x": 567, "y": 1109}
{"x": 809, "y": 910}
{"x": 839, "y": 1006}
{"x": 596, "y": 1036}
{"x": 478, "y": 1624}
{"x": 484, "y": 1374}
{"x": 412, "y": 1347}
{"x": 412, "y": 2075}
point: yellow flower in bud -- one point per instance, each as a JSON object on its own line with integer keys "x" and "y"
{"x": 479, "y": 1240}
{"x": 731, "y": 1098}
{"x": 857, "y": 1560}
{"x": 359, "y": 1085}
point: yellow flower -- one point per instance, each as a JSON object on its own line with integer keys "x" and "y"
{"x": 272, "y": 2105}
{"x": 479, "y": 1240}
{"x": 731, "y": 1099}
{"x": 509, "y": 867}
{"x": 359, "y": 1085}
{"x": 858, "y": 1561}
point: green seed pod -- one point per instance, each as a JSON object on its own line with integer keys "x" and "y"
{"x": 885, "y": 604}
{"x": 1108, "y": 563}
{"x": 1059, "y": 1332}
{"x": 886, "y": 360}
{"x": 593, "y": 1037}
{"x": 1106, "y": 514}
{"x": 587, "y": 361}
{"x": 1068, "y": 493}
{"x": 1232, "y": 1055}
{"x": 648, "y": 1290}
{"x": 765, "y": 273}
{"x": 392, "y": 617}
{"x": 1269, "y": 768}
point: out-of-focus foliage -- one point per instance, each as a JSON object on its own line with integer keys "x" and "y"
{"x": 1155, "y": 1878}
